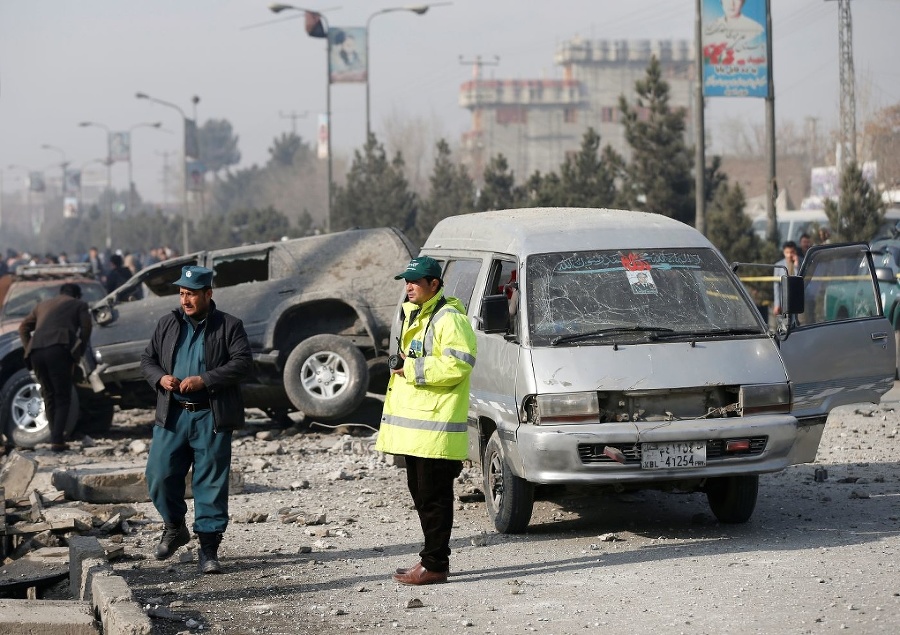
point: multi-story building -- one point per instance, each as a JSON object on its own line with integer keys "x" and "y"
{"x": 536, "y": 123}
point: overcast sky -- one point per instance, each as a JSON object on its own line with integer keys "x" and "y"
{"x": 63, "y": 62}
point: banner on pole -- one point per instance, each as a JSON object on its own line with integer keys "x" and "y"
{"x": 735, "y": 61}
{"x": 120, "y": 146}
{"x": 322, "y": 137}
{"x": 347, "y": 55}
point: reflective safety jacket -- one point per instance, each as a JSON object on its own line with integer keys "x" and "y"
{"x": 425, "y": 409}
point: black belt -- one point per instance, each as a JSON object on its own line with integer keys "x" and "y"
{"x": 194, "y": 406}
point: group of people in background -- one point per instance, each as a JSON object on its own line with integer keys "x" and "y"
{"x": 109, "y": 267}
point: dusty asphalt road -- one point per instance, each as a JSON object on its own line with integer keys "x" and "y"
{"x": 816, "y": 557}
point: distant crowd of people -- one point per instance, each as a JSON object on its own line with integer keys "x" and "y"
{"x": 111, "y": 268}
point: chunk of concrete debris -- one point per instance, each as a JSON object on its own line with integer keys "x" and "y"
{"x": 113, "y": 483}
{"x": 56, "y": 616}
{"x": 16, "y": 474}
{"x": 415, "y": 603}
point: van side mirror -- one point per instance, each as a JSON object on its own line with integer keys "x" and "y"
{"x": 495, "y": 313}
{"x": 793, "y": 295}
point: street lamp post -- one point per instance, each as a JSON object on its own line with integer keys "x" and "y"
{"x": 63, "y": 164}
{"x": 278, "y": 8}
{"x": 155, "y": 124}
{"x": 109, "y": 193}
{"x": 184, "y": 184}
{"x": 418, "y": 9}
{"x": 28, "y": 171}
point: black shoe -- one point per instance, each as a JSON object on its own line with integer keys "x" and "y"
{"x": 59, "y": 447}
{"x": 209, "y": 552}
{"x": 175, "y": 535}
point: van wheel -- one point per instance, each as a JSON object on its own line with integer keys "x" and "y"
{"x": 732, "y": 498}
{"x": 509, "y": 499}
{"x": 326, "y": 377}
{"x": 22, "y": 413}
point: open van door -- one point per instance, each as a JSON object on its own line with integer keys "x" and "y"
{"x": 840, "y": 350}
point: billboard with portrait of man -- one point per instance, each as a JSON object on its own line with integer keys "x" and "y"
{"x": 347, "y": 55}
{"x": 735, "y": 44}
{"x": 119, "y": 146}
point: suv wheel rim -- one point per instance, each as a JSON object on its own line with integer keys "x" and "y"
{"x": 28, "y": 413}
{"x": 324, "y": 375}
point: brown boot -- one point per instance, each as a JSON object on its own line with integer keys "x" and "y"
{"x": 419, "y": 575}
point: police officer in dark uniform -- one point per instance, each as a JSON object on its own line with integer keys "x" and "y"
{"x": 195, "y": 361}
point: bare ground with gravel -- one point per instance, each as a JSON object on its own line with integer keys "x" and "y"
{"x": 816, "y": 557}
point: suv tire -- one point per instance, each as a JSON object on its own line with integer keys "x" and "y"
{"x": 326, "y": 377}
{"x": 23, "y": 417}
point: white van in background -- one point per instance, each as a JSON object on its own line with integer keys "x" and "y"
{"x": 792, "y": 224}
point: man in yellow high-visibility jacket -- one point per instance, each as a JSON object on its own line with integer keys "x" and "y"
{"x": 425, "y": 410}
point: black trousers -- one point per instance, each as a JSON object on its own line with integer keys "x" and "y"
{"x": 53, "y": 366}
{"x": 430, "y": 482}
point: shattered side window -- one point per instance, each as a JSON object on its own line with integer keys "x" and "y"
{"x": 685, "y": 291}
{"x": 239, "y": 269}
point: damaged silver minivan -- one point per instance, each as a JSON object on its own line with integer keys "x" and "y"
{"x": 619, "y": 348}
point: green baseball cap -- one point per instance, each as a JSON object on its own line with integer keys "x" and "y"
{"x": 421, "y": 267}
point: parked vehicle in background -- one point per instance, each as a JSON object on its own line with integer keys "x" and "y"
{"x": 23, "y": 418}
{"x": 619, "y": 349}
{"x": 792, "y": 224}
{"x": 317, "y": 311}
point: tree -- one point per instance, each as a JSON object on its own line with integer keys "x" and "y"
{"x": 589, "y": 180}
{"x": 498, "y": 191}
{"x": 658, "y": 175}
{"x": 859, "y": 211}
{"x": 882, "y": 135}
{"x": 218, "y": 146}
{"x": 729, "y": 228}
{"x": 452, "y": 192}
{"x": 289, "y": 150}
{"x": 377, "y": 193}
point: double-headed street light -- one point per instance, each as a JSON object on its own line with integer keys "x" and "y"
{"x": 278, "y": 8}
{"x": 418, "y": 9}
{"x": 155, "y": 124}
{"x": 109, "y": 192}
{"x": 184, "y": 183}
{"x": 63, "y": 164}
{"x": 28, "y": 171}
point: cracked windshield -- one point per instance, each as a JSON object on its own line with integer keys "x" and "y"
{"x": 623, "y": 296}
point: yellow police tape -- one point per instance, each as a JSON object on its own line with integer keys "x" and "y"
{"x": 817, "y": 278}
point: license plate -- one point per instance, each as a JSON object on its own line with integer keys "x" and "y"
{"x": 664, "y": 456}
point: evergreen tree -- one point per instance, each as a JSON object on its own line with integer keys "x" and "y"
{"x": 658, "y": 175}
{"x": 289, "y": 150}
{"x": 859, "y": 211}
{"x": 729, "y": 228}
{"x": 377, "y": 193}
{"x": 498, "y": 191}
{"x": 452, "y": 193}
{"x": 587, "y": 179}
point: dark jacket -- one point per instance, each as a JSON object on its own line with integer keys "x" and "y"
{"x": 60, "y": 320}
{"x": 228, "y": 362}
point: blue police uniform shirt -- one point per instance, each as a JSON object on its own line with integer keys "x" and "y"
{"x": 190, "y": 358}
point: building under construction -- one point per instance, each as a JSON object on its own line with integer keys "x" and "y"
{"x": 536, "y": 123}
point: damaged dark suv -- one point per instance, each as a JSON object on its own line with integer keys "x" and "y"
{"x": 317, "y": 311}
{"x": 23, "y": 419}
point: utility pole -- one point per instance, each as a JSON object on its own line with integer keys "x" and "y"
{"x": 699, "y": 122}
{"x": 293, "y": 116}
{"x": 848, "y": 85}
